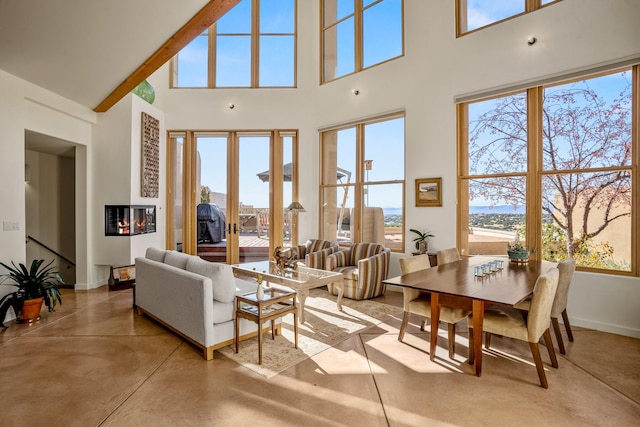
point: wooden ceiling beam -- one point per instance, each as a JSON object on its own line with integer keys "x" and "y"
{"x": 209, "y": 14}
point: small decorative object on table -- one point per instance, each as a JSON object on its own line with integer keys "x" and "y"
{"x": 260, "y": 290}
{"x": 283, "y": 257}
{"x": 422, "y": 245}
{"x": 517, "y": 252}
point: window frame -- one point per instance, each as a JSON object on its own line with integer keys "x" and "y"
{"x": 360, "y": 179}
{"x": 461, "y": 15}
{"x": 535, "y": 171}
{"x": 358, "y": 48}
{"x": 254, "y": 56}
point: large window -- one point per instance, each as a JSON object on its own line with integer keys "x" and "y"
{"x": 357, "y": 34}
{"x": 557, "y": 165}
{"x": 475, "y": 14}
{"x": 252, "y": 45}
{"x": 362, "y": 186}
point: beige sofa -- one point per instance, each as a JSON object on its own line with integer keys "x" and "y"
{"x": 192, "y": 297}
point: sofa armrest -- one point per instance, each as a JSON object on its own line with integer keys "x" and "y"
{"x": 318, "y": 259}
{"x": 337, "y": 259}
{"x": 179, "y": 298}
{"x": 375, "y": 267}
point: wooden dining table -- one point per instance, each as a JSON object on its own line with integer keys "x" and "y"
{"x": 455, "y": 285}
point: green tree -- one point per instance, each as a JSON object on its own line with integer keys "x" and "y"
{"x": 205, "y": 194}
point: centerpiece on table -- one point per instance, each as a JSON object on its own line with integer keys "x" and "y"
{"x": 517, "y": 252}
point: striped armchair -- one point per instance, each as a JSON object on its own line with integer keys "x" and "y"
{"x": 313, "y": 252}
{"x": 364, "y": 266}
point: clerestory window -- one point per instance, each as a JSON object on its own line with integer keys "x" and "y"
{"x": 253, "y": 45}
{"x": 358, "y": 34}
{"x": 475, "y": 14}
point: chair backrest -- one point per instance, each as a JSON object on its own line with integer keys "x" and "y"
{"x": 448, "y": 255}
{"x": 364, "y": 250}
{"x": 544, "y": 293}
{"x": 414, "y": 263}
{"x": 566, "y": 268}
{"x": 409, "y": 265}
{"x": 314, "y": 245}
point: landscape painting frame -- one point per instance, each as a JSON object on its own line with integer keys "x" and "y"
{"x": 429, "y": 192}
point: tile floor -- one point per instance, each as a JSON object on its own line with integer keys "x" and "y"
{"x": 94, "y": 362}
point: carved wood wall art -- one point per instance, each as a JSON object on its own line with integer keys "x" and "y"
{"x": 150, "y": 170}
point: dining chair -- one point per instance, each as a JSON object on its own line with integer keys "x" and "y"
{"x": 559, "y": 308}
{"x": 446, "y": 256}
{"x": 419, "y": 302}
{"x": 512, "y": 323}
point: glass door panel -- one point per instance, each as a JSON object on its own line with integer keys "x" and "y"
{"x": 211, "y": 197}
{"x": 255, "y": 229}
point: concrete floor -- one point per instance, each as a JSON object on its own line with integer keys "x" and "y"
{"x": 94, "y": 362}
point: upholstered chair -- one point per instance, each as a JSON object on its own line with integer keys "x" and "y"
{"x": 448, "y": 255}
{"x": 510, "y": 322}
{"x": 364, "y": 266}
{"x": 559, "y": 308}
{"x": 419, "y": 302}
{"x": 313, "y": 252}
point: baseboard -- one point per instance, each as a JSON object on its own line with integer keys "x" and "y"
{"x": 605, "y": 327}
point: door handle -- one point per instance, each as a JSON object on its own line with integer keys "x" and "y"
{"x": 235, "y": 229}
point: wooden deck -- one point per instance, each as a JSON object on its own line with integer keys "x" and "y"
{"x": 252, "y": 248}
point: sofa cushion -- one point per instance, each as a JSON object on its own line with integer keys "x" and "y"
{"x": 155, "y": 254}
{"x": 223, "y": 311}
{"x": 222, "y": 278}
{"x": 177, "y": 259}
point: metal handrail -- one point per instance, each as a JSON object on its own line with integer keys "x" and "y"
{"x": 29, "y": 238}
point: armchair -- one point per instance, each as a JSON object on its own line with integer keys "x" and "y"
{"x": 364, "y": 266}
{"x": 313, "y": 252}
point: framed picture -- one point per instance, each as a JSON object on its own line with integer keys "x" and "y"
{"x": 429, "y": 192}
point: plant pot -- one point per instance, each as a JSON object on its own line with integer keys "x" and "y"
{"x": 518, "y": 256}
{"x": 423, "y": 246}
{"x": 31, "y": 310}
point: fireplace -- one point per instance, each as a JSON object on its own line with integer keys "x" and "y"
{"x": 129, "y": 220}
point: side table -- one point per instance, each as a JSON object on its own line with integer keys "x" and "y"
{"x": 275, "y": 303}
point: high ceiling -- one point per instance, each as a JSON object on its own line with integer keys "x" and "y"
{"x": 84, "y": 49}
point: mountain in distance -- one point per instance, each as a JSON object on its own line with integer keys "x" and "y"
{"x": 498, "y": 209}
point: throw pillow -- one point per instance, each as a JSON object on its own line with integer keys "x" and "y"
{"x": 155, "y": 254}
{"x": 222, "y": 278}
{"x": 177, "y": 259}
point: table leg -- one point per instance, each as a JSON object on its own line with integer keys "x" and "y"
{"x": 302, "y": 297}
{"x": 237, "y": 325}
{"x": 435, "y": 321}
{"x": 340, "y": 286}
{"x": 295, "y": 324}
{"x": 259, "y": 343}
{"x": 273, "y": 329}
{"x": 478, "y": 318}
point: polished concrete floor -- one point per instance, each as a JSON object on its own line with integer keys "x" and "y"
{"x": 94, "y": 362}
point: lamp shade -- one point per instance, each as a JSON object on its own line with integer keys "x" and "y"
{"x": 295, "y": 207}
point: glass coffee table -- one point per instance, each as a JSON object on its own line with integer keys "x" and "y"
{"x": 302, "y": 279}
{"x": 274, "y": 304}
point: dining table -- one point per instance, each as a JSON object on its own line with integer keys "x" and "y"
{"x": 456, "y": 284}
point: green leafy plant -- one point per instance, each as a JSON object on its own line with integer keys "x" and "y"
{"x": 422, "y": 236}
{"x": 35, "y": 282}
{"x": 517, "y": 245}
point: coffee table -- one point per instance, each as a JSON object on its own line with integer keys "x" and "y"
{"x": 274, "y": 304}
{"x": 302, "y": 279}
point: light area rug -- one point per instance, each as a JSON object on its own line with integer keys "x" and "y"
{"x": 324, "y": 327}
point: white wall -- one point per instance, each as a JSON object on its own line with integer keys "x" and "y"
{"x": 573, "y": 35}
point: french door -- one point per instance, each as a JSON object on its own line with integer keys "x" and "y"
{"x": 231, "y": 189}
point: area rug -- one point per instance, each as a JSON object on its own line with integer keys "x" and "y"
{"x": 324, "y": 327}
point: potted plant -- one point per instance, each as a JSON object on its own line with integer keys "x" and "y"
{"x": 35, "y": 285}
{"x": 421, "y": 241}
{"x": 517, "y": 252}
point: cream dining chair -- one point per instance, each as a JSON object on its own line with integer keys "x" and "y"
{"x": 419, "y": 302}
{"x": 559, "y": 308}
{"x": 511, "y": 323}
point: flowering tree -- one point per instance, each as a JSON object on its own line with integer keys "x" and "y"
{"x": 586, "y": 159}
